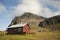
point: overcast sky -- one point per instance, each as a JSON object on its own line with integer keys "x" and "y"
{"x": 11, "y": 8}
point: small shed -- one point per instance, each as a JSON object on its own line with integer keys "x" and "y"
{"x": 18, "y": 28}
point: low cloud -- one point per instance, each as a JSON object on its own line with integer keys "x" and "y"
{"x": 2, "y": 8}
{"x": 37, "y": 8}
{"x": 4, "y": 12}
{"x": 32, "y": 6}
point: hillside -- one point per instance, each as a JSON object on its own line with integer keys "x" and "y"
{"x": 36, "y": 36}
{"x": 51, "y": 23}
{"x": 32, "y": 19}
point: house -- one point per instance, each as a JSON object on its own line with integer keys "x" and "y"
{"x": 18, "y": 28}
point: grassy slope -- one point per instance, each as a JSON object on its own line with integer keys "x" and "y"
{"x": 55, "y": 26}
{"x": 36, "y": 36}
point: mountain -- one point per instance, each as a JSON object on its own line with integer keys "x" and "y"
{"x": 32, "y": 19}
{"x": 52, "y": 22}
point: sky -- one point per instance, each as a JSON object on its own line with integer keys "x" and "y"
{"x": 11, "y": 8}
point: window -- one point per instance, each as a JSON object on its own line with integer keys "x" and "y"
{"x": 15, "y": 29}
{"x": 19, "y": 29}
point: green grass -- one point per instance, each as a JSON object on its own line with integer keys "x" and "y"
{"x": 48, "y": 35}
{"x": 36, "y": 36}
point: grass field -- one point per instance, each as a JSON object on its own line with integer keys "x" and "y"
{"x": 36, "y": 36}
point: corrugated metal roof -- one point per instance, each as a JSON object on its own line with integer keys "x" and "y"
{"x": 17, "y": 25}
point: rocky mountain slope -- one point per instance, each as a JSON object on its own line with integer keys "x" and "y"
{"x": 52, "y": 22}
{"x": 32, "y": 19}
